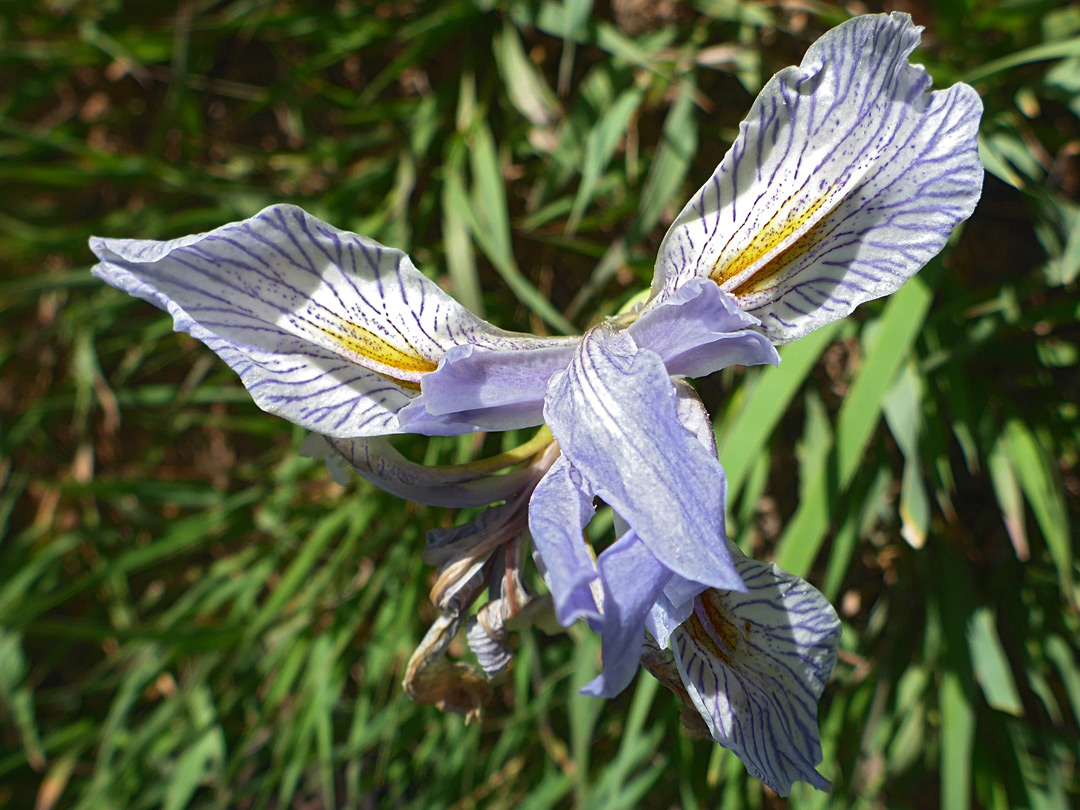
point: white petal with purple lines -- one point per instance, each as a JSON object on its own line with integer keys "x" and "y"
{"x": 846, "y": 178}
{"x": 327, "y": 329}
{"x": 755, "y": 663}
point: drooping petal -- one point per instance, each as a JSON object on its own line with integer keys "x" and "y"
{"x": 614, "y": 414}
{"x": 846, "y": 178}
{"x": 754, "y": 664}
{"x": 560, "y": 508}
{"x": 699, "y": 329}
{"x": 632, "y": 579}
{"x": 327, "y": 329}
{"x": 377, "y": 461}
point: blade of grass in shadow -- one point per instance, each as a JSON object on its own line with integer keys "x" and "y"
{"x": 742, "y": 440}
{"x": 486, "y": 216}
{"x": 1039, "y": 483}
{"x": 600, "y": 145}
{"x": 956, "y": 687}
{"x": 992, "y": 665}
{"x": 904, "y": 416}
{"x": 896, "y": 331}
{"x": 584, "y": 712}
{"x": 637, "y": 747}
{"x": 1036, "y": 53}
{"x": 460, "y": 259}
{"x": 525, "y": 85}
{"x": 678, "y": 144}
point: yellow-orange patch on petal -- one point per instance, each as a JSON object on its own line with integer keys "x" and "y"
{"x": 402, "y": 366}
{"x": 776, "y": 244}
{"x": 761, "y": 278}
{"x": 711, "y": 612}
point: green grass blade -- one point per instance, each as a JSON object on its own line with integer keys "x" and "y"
{"x": 859, "y": 415}
{"x": 743, "y": 440}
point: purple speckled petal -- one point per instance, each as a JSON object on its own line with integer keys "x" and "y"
{"x": 699, "y": 329}
{"x": 755, "y": 664}
{"x": 613, "y": 412}
{"x": 376, "y": 460}
{"x": 327, "y": 329}
{"x": 633, "y": 579}
{"x": 846, "y": 178}
{"x": 560, "y": 507}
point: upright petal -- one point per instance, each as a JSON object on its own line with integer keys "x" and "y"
{"x": 614, "y": 414}
{"x": 327, "y": 329}
{"x": 560, "y": 508}
{"x": 846, "y": 178}
{"x": 754, "y": 664}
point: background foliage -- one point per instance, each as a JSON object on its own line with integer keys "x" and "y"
{"x": 193, "y": 616}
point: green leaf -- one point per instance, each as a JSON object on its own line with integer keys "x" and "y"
{"x": 903, "y": 409}
{"x": 525, "y": 86}
{"x": 486, "y": 215}
{"x": 957, "y": 743}
{"x": 896, "y": 331}
{"x": 991, "y": 666}
{"x": 1036, "y": 53}
{"x": 600, "y": 147}
{"x": 669, "y": 167}
{"x": 1034, "y": 469}
{"x": 742, "y": 440}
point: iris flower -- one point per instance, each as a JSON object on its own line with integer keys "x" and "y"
{"x": 847, "y": 176}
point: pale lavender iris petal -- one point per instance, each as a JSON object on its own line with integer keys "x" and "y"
{"x": 664, "y": 616}
{"x": 377, "y": 461}
{"x": 560, "y": 507}
{"x": 675, "y": 604}
{"x": 327, "y": 329}
{"x": 494, "y": 390}
{"x": 755, "y": 664}
{"x": 632, "y": 579}
{"x": 614, "y": 414}
{"x": 699, "y": 329}
{"x": 846, "y": 178}
{"x": 681, "y": 591}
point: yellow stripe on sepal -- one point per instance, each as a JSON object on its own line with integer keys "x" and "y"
{"x": 402, "y": 366}
{"x": 792, "y": 231}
